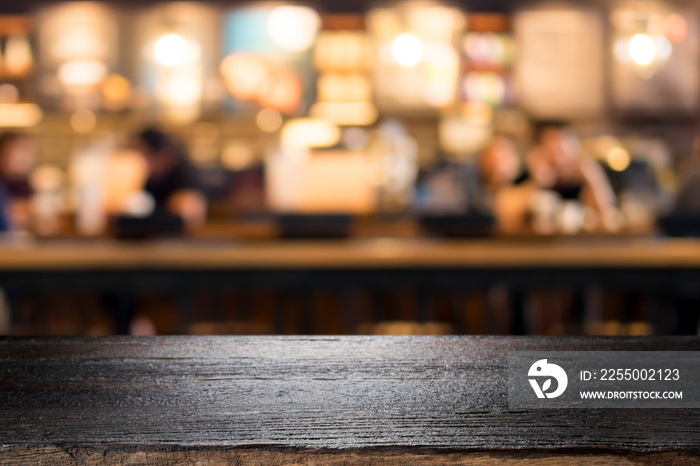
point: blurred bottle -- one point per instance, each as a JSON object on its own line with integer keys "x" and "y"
{"x": 48, "y": 182}
{"x": 89, "y": 172}
{"x": 394, "y": 154}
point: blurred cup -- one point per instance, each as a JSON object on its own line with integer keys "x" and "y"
{"x": 544, "y": 208}
{"x": 570, "y": 217}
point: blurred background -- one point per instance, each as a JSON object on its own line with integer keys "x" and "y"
{"x": 347, "y": 167}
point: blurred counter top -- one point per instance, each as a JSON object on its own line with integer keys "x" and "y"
{"x": 377, "y": 253}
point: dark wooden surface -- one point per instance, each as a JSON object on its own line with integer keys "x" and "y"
{"x": 421, "y": 396}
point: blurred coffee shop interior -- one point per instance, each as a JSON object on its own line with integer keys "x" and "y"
{"x": 231, "y": 127}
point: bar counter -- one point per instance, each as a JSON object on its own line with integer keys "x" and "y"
{"x": 662, "y": 269}
{"x": 330, "y": 400}
{"x": 351, "y": 254}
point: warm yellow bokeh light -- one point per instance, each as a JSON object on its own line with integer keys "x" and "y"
{"x": 237, "y": 155}
{"x": 18, "y": 56}
{"x": 407, "y": 50}
{"x": 174, "y": 50}
{"x": 20, "y": 115}
{"x": 346, "y": 113}
{"x": 47, "y": 178}
{"x": 116, "y": 90}
{"x": 618, "y": 159}
{"x": 293, "y": 28}
{"x": 182, "y": 88}
{"x": 478, "y": 113}
{"x": 302, "y": 133}
{"x": 82, "y": 73}
{"x": 642, "y": 49}
{"x": 268, "y": 120}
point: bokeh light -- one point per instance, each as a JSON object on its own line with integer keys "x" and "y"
{"x": 140, "y": 204}
{"x": 268, "y": 120}
{"x": 618, "y": 159}
{"x": 346, "y": 113}
{"x": 302, "y": 133}
{"x": 83, "y": 121}
{"x": 174, "y": 50}
{"x": 47, "y": 178}
{"x": 676, "y": 28}
{"x": 663, "y": 48}
{"x": 244, "y": 75}
{"x": 293, "y": 28}
{"x": 237, "y": 155}
{"x": 283, "y": 92}
{"x": 82, "y": 73}
{"x": 407, "y": 50}
{"x": 642, "y": 49}
{"x": 116, "y": 91}
{"x": 20, "y": 115}
{"x": 18, "y": 56}
{"x": 182, "y": 88}
{"x": 621, "y": 49}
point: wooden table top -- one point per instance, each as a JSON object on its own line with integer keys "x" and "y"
{"x": 333, "y": 400}
{"x": 351, "y": 254}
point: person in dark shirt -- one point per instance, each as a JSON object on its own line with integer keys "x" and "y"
{"x": 556, "y": 163}
{"x": 171, "y": 180}
{"x": 688, "y": 195}
{"x": 507, "y": 184}
{"x": 17, "y": 155}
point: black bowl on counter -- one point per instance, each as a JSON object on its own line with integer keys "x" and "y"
{"x": 157, "y": 225}
{"x": 681, "y": 224}
{"x": 314, "y": 226}
{"x": 471, "y": 224}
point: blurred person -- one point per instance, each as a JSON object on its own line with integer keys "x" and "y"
{"x": 572, "y": 188}
{"x": 17, "y": 157}
{"x": 172, "y": 184}
{"x": 510, "y": 190}
{"x": 5, "y": 223}
{"x": 688, "y": 196}
{"x": 16, "y": 162}
{"x": 171, "y": 180}
{"x": 499, "y": 163}
{"x": 557, "y": 164}
{"x": 443, "y": 190}
{"x": 507, "y": 184}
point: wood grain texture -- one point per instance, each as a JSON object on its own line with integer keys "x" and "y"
{"x": 341, "y": 394}
{"x": 87, "y": 456}
{"x": 379, "y": 253}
